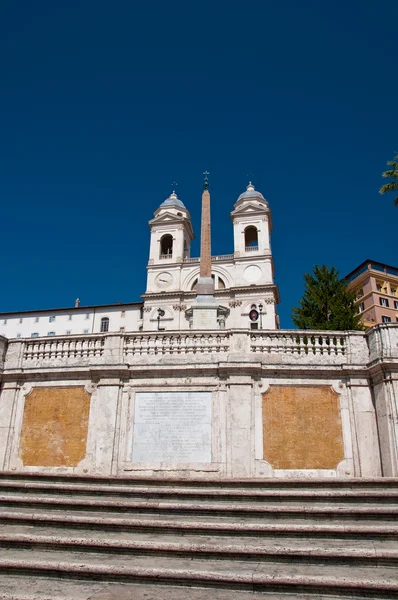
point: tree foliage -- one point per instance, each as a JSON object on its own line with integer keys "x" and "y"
{"x": 391, "y": 173}
{"x": 326, "y": 303}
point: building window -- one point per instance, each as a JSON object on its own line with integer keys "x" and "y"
{"x": 18, "y": 335}
{"x": 51, "y": 333}
{"x": 87, "y": 316}
{"x": 384, "y": 302}
{"x": 385, "y": 319}
{"x": 379, "y": 286}
{"x": 141, "y": 312}
{"x": 5, "y": 322}
{"x": 36, "y": 319}
{"x": 51, "y": 319}
{"x": 35, "y": 334}
{"x": 393, "y": 291}
{"x": 253, "y": 325}
{"x": 396, "y": 304}
{"x": 69, "y": 317}
{"x": 85, "y": 330}
{"x": 104, "y": 324}
{"x": 123, "y": 314}
{"x": 360, "y": 293}
{"x": 20, "y": 320}
{"x": 251, "y": 238}
{"x": 361, "y": 307}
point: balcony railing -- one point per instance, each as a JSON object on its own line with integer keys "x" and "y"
{"x": 251, "y": 248}
{"x": 219, "y": 257}
{"x": 166, "y": 256}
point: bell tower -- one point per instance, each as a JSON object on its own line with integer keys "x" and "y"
{"x": 171, "y": 236}
{"x": 252, "y": 224}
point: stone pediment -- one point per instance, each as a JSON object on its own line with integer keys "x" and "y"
{"x": 250, "y": 208}
{"x": 167, "y": 217}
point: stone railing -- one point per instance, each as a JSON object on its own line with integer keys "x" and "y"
{"x": 65, "y": 347}
{"x": 310, "y": 346}
{"x": 265, "y": 347}
{"x": 383, "y": 342}
{"x": 177, "y": 343}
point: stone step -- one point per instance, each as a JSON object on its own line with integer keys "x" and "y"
{"x": 386, "y": 483}
{"x": 383, "y": 514}
{"x": 155, "y": 492}
{"x": 14, "y": 587}
{"x": 206, "y": 547}
{"x": 250, "y": 576}
{"x": 169, "y": 524}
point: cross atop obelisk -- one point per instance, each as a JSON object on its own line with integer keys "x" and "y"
{"x": 205, "y": 238}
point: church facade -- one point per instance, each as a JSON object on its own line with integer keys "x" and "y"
{"x": 187, "y": 385}
{"x": 242, "y": 279}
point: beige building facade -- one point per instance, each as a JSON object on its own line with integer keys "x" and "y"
{"x": 376, "y": 288}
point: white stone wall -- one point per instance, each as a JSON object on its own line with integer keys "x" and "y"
{"x": 235, "y": 368}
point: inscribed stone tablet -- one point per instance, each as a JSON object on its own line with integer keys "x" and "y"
{"x": 173, "y": 427}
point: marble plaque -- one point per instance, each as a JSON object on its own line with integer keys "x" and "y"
{"x": 173, "y": 427}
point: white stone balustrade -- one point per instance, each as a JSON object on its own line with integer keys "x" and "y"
{"x": 70, "y": 347}
{"x": 168, "y": 343}
{"x": 262, "y": 346}
{"x": 383, "y": 341}
{"x": 310, "y": 346}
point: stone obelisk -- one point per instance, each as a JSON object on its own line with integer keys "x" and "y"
{"x": 205, "y": 284}
{"x": 204, "y": 306}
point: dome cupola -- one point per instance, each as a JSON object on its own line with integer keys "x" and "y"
{"x": 172, "y": 200}
{"x": 251, "y": 194}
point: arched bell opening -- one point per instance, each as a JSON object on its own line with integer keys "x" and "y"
{"x": 166, "y": 246}
{"x": 251, "y": 238}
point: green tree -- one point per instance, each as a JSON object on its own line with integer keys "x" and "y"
{"x": 391, "y": 173}
{"x": 326, "y": 303}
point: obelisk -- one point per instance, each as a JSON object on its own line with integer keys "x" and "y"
{"x": 204, "y": 306}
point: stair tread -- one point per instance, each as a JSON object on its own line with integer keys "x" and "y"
{"x": 188, "y": 491}
{"x": 197, "y": 505}
{"x": 243, "y": 544}
{"x": 14, "y": 587}
{"x": 213, "y": 523}
{"x": 180, "y": 567}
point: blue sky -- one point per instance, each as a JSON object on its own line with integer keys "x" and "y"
{"x": 103, "y": 105}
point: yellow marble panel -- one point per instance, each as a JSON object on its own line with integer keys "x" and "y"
{"x": 55, "y": 426}
{"x": 302, "y": 427}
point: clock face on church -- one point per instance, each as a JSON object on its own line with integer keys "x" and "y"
{"x": 163, "y": 280}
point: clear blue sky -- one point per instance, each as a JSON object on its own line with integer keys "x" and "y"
{"x": 104, "y": 104}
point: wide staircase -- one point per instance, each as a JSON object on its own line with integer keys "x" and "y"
{"x": 83, "y": 537}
